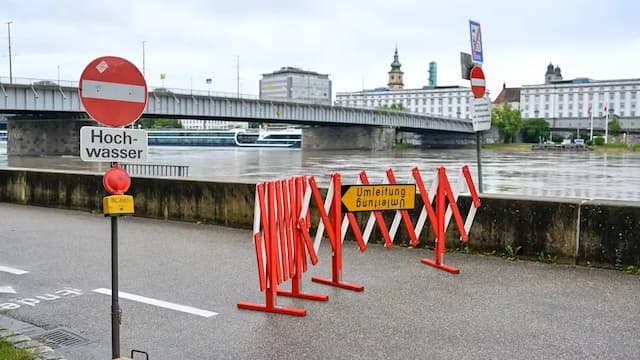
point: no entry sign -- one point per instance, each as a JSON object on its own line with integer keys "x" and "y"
{"x": 113, "y": 91}
{"x": 478, "y": 84}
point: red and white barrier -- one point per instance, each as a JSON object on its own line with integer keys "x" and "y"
{"x": 282, "y": 243}
{"x": 439, "y": 218}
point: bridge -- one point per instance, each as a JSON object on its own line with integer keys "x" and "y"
{"x": 40, "y": 104}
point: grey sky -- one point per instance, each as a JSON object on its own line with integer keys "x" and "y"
{"x": 353, "y": 41}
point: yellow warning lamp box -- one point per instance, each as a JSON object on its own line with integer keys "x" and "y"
{"x": 117, "y": 205}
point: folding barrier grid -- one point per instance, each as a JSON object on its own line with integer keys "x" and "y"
{"x": 282, "y": 222}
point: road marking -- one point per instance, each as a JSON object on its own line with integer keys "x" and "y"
{"x": 11, "y": 270}
{"x": 159, "y": 303}
{"x": 7, "y": 290}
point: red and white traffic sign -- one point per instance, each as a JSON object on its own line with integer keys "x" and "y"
{"x": 478, "y": 85}
{"x": 113, "y": 91}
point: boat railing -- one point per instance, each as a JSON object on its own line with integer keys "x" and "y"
{"x": 156, "y": 170}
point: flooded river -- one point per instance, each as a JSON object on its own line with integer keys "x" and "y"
{"x": 564, "y": 174}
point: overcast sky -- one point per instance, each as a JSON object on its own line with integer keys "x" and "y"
{"x": 352, "y": 41}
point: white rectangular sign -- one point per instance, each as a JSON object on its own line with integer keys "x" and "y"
{"x": 481, "y": 118}
{"x": 113, "y": 144}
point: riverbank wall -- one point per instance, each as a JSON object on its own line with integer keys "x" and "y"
{"x": 577, "y": 231}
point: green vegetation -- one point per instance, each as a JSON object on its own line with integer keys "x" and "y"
{"x": 598, "y": 140}
{"x": 508, "y": 120}
{"x": 534, "y": 129}
{"x": 614, "y": 126}
{"x": 147, "y": 123}
{"x": 401, "y": 146}
{"x": 9, "y": 352}
{"x": 636, "y": 147}
{"x": 397, "y": 107}
{"x": 547, "y": 258}
{"x": 507, "y": 147}
{"x": 511, "y": 253}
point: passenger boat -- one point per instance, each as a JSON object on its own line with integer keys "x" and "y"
{"x": 277, "y": 138}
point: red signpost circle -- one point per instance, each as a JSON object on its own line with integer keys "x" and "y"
{"x": 116, "y": 181}
{"x": 113, "y": 91}
{"x": 478, "y": 84}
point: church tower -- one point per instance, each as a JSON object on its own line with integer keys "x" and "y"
{"x": 395, "y": 75}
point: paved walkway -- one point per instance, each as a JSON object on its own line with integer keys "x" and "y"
{"x": 495, "y": 309}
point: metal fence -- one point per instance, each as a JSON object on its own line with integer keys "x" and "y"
{"x": 156, "y": 170}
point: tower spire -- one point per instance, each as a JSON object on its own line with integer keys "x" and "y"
{"x": 395, "y": 75}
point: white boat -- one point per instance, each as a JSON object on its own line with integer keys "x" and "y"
{"x": 287, "y": 138}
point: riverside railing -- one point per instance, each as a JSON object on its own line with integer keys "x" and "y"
{"x": 156, "y": 170}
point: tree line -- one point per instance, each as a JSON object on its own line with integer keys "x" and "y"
{"x": 511, "y": 124}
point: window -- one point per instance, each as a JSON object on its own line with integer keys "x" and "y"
{"x": 546, "y": 97}
{"x": 612, "y": 96}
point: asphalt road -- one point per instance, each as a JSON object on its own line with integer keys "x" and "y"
{"x": 495, "y": 309}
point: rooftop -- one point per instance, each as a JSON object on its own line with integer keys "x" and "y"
{"x": 508, "y": 95}
{"x": 294, "y": 70}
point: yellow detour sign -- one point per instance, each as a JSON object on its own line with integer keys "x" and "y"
{"x": 378, "y": 197}
{"x": 117, "y": 205}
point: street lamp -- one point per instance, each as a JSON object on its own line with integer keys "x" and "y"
{"x": 9, "y": 37}
{"x": 143, "y": 59}
{"x": 209, "y": 81}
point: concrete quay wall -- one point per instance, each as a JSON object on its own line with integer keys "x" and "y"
{"x": 602, "y": 233}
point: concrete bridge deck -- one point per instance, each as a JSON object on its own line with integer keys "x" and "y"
{"x": 495, "y": 309}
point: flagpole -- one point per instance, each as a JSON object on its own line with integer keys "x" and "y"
{"x": 606, "y": 126}
{"x": 591, "y": 113}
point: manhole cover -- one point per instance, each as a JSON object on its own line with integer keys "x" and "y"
{"x": 58, "y": 338}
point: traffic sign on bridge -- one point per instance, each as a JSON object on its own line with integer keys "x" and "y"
{"x": 113, "y": 91}
{"x": 478, "y": 84}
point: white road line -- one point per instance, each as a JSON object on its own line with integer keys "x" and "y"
{"x": 11, "y": 270}
{"x": 7, "y": 290}
{"x": 159, "y": 303}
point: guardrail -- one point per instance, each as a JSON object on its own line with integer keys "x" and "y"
{"x": 74, "y": 83}
{"x": 156, "y": 170}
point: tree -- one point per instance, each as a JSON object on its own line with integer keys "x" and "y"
{"x": 398, "y": 107}
{"x": 508, "y": 120}
{"x": 614, "y": 126}
{"x": 533, "y": 129}
{"x": 148, "y": 123}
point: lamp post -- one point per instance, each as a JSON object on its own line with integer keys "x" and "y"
{"x": 143, "y": 59}
{"x": 209, "y": 81}
{"x": 9, "y": 37}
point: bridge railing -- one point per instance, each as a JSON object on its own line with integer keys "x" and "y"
{"x": 156, "y": 170}
{"x": 158, "y": 89}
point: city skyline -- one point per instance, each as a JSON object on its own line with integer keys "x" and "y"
{"x": 352, "y": 42}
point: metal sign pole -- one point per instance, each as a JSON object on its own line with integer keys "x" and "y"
{"x": 479, "y": 162}
{"x": 115, "y": 307}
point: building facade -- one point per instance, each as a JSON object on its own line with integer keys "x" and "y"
{"x": 294, "y": 84}
{"x": 569, "y": 103}
{"x": 447, "y": 101}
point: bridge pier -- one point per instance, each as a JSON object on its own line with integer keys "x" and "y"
{"x": 348, "y": 138}
{"x": 35, "y": 135}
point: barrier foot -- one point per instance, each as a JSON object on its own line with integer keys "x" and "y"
{"x": 449, "y": 269}
{"x": 339, "y": 284}
{"x": 273, "y": 309}
{"x": 305, "y": 296}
